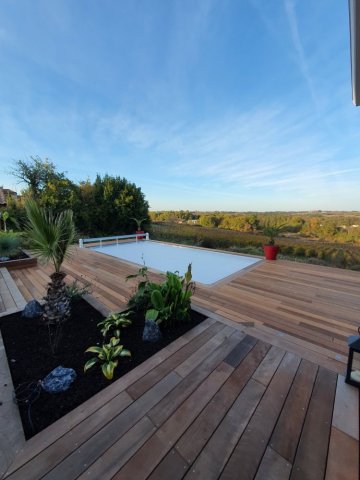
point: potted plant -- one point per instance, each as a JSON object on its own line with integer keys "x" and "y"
{"x": 270, "y": 249}
{"x": 138, "y": 223}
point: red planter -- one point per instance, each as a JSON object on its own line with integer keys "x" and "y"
{"x": 140, "y": 237}
{"x": 270, "y": 251}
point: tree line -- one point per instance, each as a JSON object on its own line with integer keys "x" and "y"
{"x": 106, "y": 206}
{"x": 323, "y": 226}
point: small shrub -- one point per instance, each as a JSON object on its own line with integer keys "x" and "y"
{"x": 251, "y": 250}
{"x": 321, "y": 255}
{"x": 299, "y": 251}
{"x": 76, "y": 292}
{"x": 140, "y": 300}
{"x": 338, "y": 258}
{"x": 107, "y": 356}
{"x": 168, "y": 302}
{"x": 316, "y": 261}
{"x": 287, "y": 249}
{"x": 113, "y": 322}
{"x": 9, "y": 244}
{"x": 171, "y": 300}
{"x": 205, "y": 243}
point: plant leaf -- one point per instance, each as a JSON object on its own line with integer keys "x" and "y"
{"x": 152, "y": 314}
{"x": 94, "y": 350}
{"x": 90, "y": 363}
{"x": 125, "y": 353}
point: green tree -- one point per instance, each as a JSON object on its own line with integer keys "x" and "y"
{"x": 108, "y": 206}
{"x": 50, "y": 188}
{"x": 209, "y": 221}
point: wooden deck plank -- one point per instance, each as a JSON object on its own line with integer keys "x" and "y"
{"x": 310, "y": 460}
{"x": 12, "y": 288}
{"x": 269, "y": 365}
{"x": 198, "y": 357}
{"x": 172, "y": 466}
{"x": 214, "y": 456}
{"x": 143, "y": 384}
{"x": 343, "y": 457}
{"x": 287, "y": 432}
{"x": 160, "y": 412}
{"x": 106, "y": 466}
{"x": 273, "y": 467}
{"x": 252, "y": 445}
{"x": 197, "y": 435}
{"x": 151, "y": 454}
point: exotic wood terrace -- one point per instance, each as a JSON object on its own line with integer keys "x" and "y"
{"x": 255, "y": 391}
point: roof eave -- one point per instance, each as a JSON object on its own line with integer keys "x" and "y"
{"x": 354, "y": 13}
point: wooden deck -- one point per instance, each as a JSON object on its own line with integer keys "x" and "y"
{"x": 255, "y": 391}
{"x": 10, "y": 298}
{"x": 306, "y": 309}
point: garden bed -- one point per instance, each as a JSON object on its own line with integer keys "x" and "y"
{"x": 30, "y": 358}
{"x": 22, "y": 260}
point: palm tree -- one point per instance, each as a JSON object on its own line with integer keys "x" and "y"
{"x": 138, "y": 221}
{"x": 51, "y": 238}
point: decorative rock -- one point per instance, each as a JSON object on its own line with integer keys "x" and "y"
{"x": 58, "y": 380}
{"x": 33, "y": 309}
{"x": 152, "y": 332}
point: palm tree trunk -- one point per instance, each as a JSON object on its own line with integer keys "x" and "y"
{"x": 57, "y": 302}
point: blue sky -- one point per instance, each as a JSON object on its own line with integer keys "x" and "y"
{"x": 205, "y": 104}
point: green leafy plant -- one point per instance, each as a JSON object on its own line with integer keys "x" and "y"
{"x": 171, "y": 300}
{"x": 115, "y": 321}
{"x": 272, "y": 231}
{"x": 168, "y": 302}
{"x": 75, "y": 292}
{"x": 140, "y": 300}
{"x": 107, "y": 356}
{"x": 9, "y": 244}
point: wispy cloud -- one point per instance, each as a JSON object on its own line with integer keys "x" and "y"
{"x": 300, "y": 52}
{"x": 268, "y": 148}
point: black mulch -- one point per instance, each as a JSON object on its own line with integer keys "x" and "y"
{"x": 30, "y": 358}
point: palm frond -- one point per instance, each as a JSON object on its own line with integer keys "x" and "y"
{"x": 50, "y": 236}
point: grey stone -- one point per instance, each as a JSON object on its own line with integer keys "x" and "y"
{"x": 152, "y": 332}
{"x": 32, "y": 309}
{"x": 4, "y": 259}
{"x": 58, "y": 380}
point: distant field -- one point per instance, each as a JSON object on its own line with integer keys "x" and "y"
{"x": 298, "y": 249}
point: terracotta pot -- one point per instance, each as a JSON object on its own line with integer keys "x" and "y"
{"x": 270, "y": 251}
{"x": 139, "y": 232}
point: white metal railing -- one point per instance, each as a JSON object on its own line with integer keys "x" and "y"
{"x": 136, "y": 236}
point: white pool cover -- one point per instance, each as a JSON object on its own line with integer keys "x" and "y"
{"x": 207, "y": 266}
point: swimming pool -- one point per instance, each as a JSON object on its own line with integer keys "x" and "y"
{"x": 207, "y": 266}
